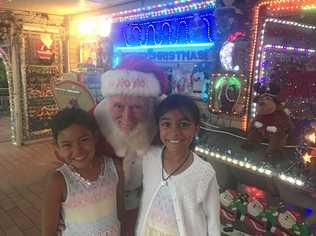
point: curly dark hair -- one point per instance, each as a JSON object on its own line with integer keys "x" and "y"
{"x": 69, "y": 116}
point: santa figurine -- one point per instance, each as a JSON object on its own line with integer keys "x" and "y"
{"x": 126, "y": 119}
{"x": 289, "y": 223}
{"x": 227, "y": 211}
{"x": 254, "y": 217}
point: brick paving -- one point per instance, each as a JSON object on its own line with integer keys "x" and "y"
{"x": 23, "y": 172}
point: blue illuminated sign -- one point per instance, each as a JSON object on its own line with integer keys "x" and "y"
{"x": 177, "y": 52}
{"x": 188, "y": 28}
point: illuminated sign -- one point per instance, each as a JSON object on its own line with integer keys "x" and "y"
{"x": 176, "y": 52}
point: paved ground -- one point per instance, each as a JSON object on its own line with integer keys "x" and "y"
{"x": 23, "y": 172}
{"x": 5, "y": 130}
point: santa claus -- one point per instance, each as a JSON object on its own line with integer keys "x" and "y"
{"x": 126, "y": 119}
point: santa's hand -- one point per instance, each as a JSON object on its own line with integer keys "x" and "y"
{"x": 272, "y": 129}
{"x": 258, "y": 124}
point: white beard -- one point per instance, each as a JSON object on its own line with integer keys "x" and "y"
{"x": 138, "y": 140}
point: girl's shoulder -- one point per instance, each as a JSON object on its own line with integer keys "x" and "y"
{"x": 204, "y": 166}
{"x": 56, "y": 184}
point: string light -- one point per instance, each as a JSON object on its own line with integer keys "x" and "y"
{"x": 259, "y": 70}
{"x": 8, "y": 71}
{"x": 286, "y": 22}
{"x": 262, "y": 70}
{"x": 309, "y": 7}
{"x": 159, "y": 10}
{"x": 275, "y": 5}
{"x": 263, "y": 171}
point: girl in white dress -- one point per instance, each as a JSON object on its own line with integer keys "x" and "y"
{"x": 180, "y": 191}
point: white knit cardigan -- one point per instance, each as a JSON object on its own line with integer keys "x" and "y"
{"x": 194, "y": 192}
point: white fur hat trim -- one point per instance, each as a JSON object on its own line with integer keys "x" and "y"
{"x": 129, "y": 82}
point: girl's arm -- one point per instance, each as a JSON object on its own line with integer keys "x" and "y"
{"x": 212, "y": 208}
{"x": 54, "y": 196}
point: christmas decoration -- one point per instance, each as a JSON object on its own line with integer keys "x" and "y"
{"x": 294, "y": 69}
{"x": 253, "y": 220}
{"x": 289, "y": 223}
{"x": 40, "y": 100}
{"x": 163, "y": 9}
{"x": 307, "y": 151}
{"x": 228, "y": 213}
{"x": 232, "y": 53}
{"x": 271, "y": 121}
{"x": 260, "y": 22}
{"x": 227, "y": 94}
{"x": 255, "y": 217}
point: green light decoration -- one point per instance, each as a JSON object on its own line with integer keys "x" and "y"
{"x": 219, "y": 83}
{"x": 231, "y": 81}
{"x": 227, "y": 94}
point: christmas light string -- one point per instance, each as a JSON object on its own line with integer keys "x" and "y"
{"x": 261, "y": 49}
{"x": 165, "y": 9}
{"x": 207, "y": 152}
{"x": 8, "y": 72}
{"x": 269, "y": 4}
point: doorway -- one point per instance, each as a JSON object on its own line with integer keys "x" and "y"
{"x": 5, "y": 116}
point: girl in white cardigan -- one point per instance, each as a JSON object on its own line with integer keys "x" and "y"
{"x": 180, "y": 191}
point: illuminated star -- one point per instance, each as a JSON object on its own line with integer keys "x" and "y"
{"x": 307, "y": 158}
{"x": 311, "y": 137}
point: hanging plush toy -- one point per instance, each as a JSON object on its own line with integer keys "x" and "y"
{"x": 271, "y": 122}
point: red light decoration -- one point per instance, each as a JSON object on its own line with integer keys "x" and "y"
{"x": 254, "y": 192}
{"x": 236, "y": 35}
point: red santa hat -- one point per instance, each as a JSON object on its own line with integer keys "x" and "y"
{"x": 136, "y": 76}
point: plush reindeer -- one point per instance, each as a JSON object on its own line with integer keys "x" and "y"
{"x": 271, "y": 122}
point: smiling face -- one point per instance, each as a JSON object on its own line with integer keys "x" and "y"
{"x": 177, "y": 130}
{"x": 127, "y": 111}
{"x": 76, "y": 146}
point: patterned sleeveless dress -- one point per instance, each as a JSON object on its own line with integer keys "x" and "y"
{"x": 90, "y": 208}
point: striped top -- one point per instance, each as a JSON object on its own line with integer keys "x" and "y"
{"x": 90, "y": 208}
